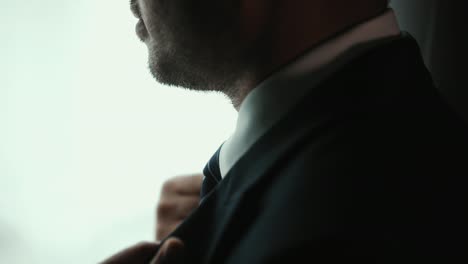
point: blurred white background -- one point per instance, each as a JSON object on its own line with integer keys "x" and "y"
{"x": 86, "y": 135}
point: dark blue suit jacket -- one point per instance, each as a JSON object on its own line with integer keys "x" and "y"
{"x": 371, "y": 165}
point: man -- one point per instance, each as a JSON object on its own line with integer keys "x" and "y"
{"x": 344, "y": 149}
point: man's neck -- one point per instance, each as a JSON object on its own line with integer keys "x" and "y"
{"x": 295, "y": 28}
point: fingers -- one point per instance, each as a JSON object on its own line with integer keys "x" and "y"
{"x": 171, "y": 252}
{"x": 179, "y": 197}
{"x": 139, "y": 253}
{"x": 177, "y": 207}
{"x": 183, "y": 185}
{"x": 170, "y": 212}
{"x": 164, "y": 230}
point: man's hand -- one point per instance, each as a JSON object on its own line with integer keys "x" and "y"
{"x": 171, "y": 252}
{"x": 179, "y": 197}
{"x": 141, "y": 253}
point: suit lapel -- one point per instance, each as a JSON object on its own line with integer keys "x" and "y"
{"x": 218, "y": 224}
{"x": 226, "y": 211}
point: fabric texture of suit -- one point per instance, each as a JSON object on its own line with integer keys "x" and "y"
{"x": 370, "y": 165}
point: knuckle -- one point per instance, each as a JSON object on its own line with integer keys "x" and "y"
{"x": 163, "y": 230}
{"x": 142, "y": 245}
{"x": 169, "y": 186}
{"x": 165, "y": 207}
{"x": 160, "y": 232}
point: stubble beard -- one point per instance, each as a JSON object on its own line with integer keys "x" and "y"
{"x": 197, "y": 69}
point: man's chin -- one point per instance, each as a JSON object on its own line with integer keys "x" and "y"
{"x": 159, "y": 76}
{"x": 165, "y": 74}
{"x": 170, "y": 71}
{"x": 157, "y": 70}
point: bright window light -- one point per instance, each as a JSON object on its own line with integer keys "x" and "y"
{"x": 87, "y": 136}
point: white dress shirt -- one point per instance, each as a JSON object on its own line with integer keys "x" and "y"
{"x": 268, "y": 102}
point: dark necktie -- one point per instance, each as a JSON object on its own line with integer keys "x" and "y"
{"x": 212, "y": 175}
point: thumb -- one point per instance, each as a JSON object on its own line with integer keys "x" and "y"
{"x": 171, "y": 252}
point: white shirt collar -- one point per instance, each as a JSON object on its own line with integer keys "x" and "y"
{"x": 267, "y": 103}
